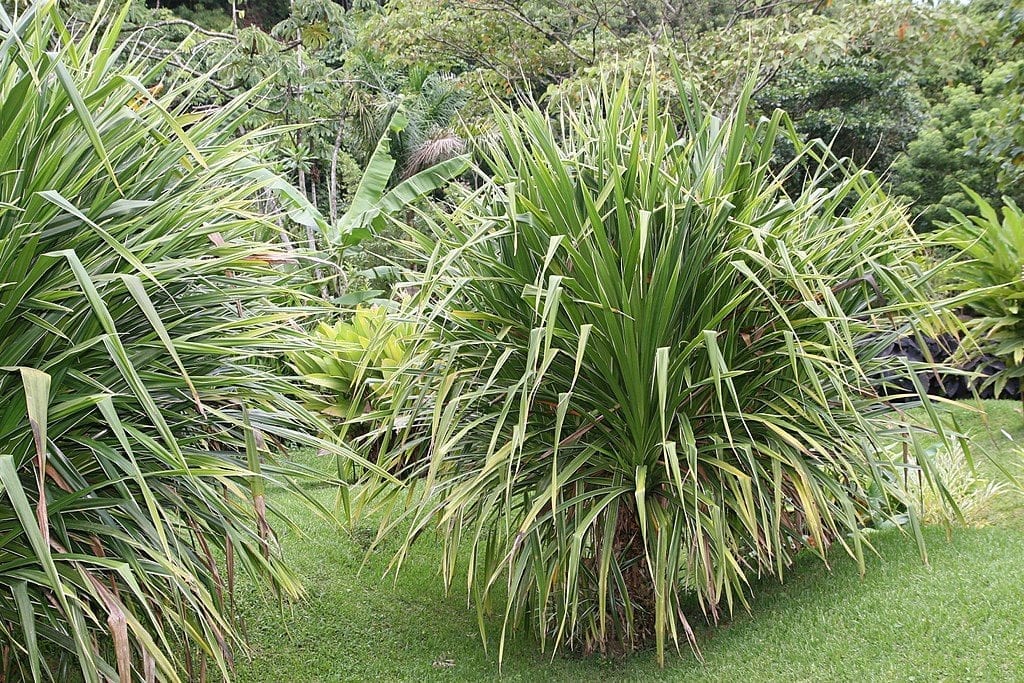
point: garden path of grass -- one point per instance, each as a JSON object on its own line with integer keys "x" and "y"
{"x": 960, "y": 618}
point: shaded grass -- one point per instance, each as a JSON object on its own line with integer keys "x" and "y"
{"x": 957, "y": 618}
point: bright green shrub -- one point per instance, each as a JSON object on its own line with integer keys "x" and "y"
{"x": 352, "y": 360}
{"x": 951, "y": 151}
{"x": 990, "y": 276}
{"x": 660, "y": 378}
{"x": 938, "y": 161}
{"x": 998, "y": 131}
{"x": 352, "y": 363}
{"x": 139, "y": 310}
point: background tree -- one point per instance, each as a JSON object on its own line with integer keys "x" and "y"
{"x": 866, "y": 112}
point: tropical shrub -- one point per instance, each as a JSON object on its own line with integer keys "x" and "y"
{"x": 990, "y": 277}
{"x": 865, "y": 111}
{"x": 937, "y": 163}
{"x": 140, "y": 309}
{"x": 351, "y": 364}
{"x": 659, "y": 373}
{"x": 352, "y": 360}
{"x": 951, "y": 151}
{"x": 998, "y": 133}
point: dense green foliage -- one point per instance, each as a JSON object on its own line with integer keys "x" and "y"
{"x": 657, "y": 380}
{"x": 990, "y": 273}
{"x": 887, "y": 80}
{"x": 625, "y": 364}
{"x": 140, "y": 308}
{"x": 939, "y": 162}
{"x": 999, "y": 130}
{"x": 866, "y": 113}
{"x": 974, "y": 131}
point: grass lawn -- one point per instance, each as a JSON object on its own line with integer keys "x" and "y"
{"x": 958, "y": 618}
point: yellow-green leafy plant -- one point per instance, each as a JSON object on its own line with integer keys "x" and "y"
{"x": 989, "y": 275}
{"x": 974, "y": 495}
{"x": 661, "y": 374}
{"x": 352, "y": 360}
{"x": 351, "y": 363}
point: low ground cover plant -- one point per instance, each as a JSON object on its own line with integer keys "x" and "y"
{"x": 975, "y": 494}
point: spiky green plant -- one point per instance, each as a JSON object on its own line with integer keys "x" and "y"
{"x": 658, "y": 378}
{"x": 139, "y": 306}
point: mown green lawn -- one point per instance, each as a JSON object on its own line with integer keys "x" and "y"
{"x": 958, "y": 618}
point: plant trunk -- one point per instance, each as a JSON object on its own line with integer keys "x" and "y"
{"x": 629, "y": 551}
{"x": 332, "y": 186}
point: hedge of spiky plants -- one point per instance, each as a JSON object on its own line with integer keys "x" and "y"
{"x": 658, "y": 380}
{"x": 139, "y": 305}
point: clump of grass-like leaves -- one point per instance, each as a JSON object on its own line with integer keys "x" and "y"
{"x": 975, "y": 495}
{"x": 659, "y": 377}
{"x": 139, "y": 308}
